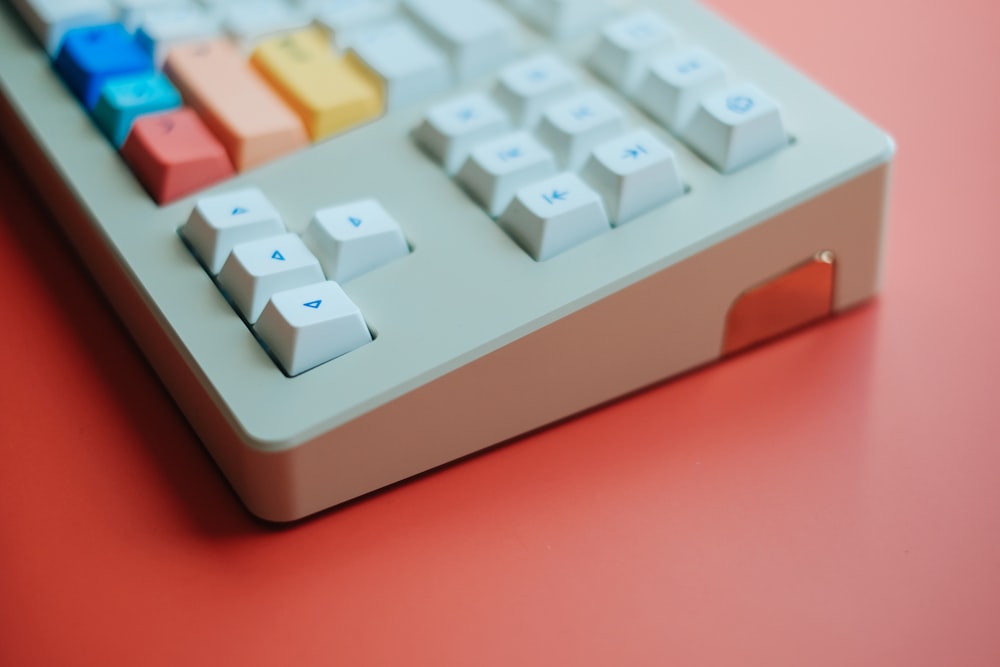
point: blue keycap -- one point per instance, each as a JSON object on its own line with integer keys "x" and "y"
{"x": 89, "y": 57}
{"x": 123, "y": 99}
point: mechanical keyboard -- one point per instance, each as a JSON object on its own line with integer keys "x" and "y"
{"x": 360, "y": 239}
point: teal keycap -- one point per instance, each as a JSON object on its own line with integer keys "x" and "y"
{"x": 124, "y": 99}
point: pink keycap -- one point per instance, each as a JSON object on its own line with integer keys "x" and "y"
{"x": 251, "y": 121}
{"x": 173, "y": 154}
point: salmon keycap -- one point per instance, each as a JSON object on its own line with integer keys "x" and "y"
{"x": 250, "y": 120}
{"x": 173, "y": 154}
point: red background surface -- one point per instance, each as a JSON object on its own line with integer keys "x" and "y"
{"x": 832, "y": 499}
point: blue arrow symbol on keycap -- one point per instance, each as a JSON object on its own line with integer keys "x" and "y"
{"x": 313, "y": 304}
{"x": 354, "y": 221}
{"x": 509, "y": 154}
{"x": 239, "y": 210}
{"x": 634, "y": 152}
{"x": 277, "y": 255}
{"x": 739, "y": 103}
{"x": 555, "y": 196}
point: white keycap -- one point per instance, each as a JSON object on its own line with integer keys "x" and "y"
{"x": 346, "y": 18}
{"x": 219, "y": 8}
{"x": 477, "y": 35}
{"x": 675, "y": 84}
{"x": 565, "y": 18}
{"x": 411, "y": 66}
{"x": 165, "y": 27}
{"x": 131, "y": 12}
{"x": 496, "y": 169}
{"x": 354, "y": 238}
{"x": 51, "y": 19}
{"x": 526, "y": 87}
{"x": 548, "y": 217}
{"x": 627, "y": 44}
{"x": 307, "y": 326}
{"x": 736, "y": 127}
{"x": 249, "y": 22}
{"x": 219, "y": 222}
{"x": 633, "y": 173}
{"x": 257, "y": 269}
{"x": 574, "y": 126}
{"x": 451, "y": 130}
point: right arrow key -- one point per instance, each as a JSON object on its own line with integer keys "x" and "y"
{"x": 354, "y": 238}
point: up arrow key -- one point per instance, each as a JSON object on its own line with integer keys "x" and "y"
{"x": 313, "y": 304}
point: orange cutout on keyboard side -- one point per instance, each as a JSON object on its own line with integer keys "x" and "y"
{"x": 173, "y": 154}
{"x": 250, "y": 120}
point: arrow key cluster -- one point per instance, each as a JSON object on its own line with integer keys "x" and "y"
{"x": 288, "y": 287}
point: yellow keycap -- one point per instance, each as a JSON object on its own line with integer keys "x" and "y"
{"x": 329, "y": 93}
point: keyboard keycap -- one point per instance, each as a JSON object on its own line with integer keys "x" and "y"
{"x": 346, "y": 18}
{"x": 676, "y": 83}
{"x": 410, "y": 66}
{"x": 551, "y": 216}
{"x": 220, "y": 222}
{"x": 250, "y": 21}
{"x": 574, "y": 126}
{"x": 249, "y": 118}
{"x": 255, "y": 270}
{"x": 355, "y": 238}
{"x": 307, "y": 326}
{"x": 90, "y": 57}
{"x": 329, "y": 93}
{"x": 132, "y": 12}
{"x": 477, "y": 35}
{"x": 735, "y": 127}
{"x": 525, "y": 88}
{"x": 163, "y": 28}
{"x": 634, "y": 174}
{"x": 625, "y": 46}
{"x": 50, "y": 20}
{"x": 124, "y": 99}
{"x": 496, "y": 169}
{"x": 565, "y": 18}
{"x": 173, "y": 154}
{"x": 451, "y": 130}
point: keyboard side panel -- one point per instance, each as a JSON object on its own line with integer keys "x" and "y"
{"x": 669, "y": 323}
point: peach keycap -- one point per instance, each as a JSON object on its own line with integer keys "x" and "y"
{"x": 251, "y": 121}
{"x": 173, "y": 154}
{"x": 329, "y": 92}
